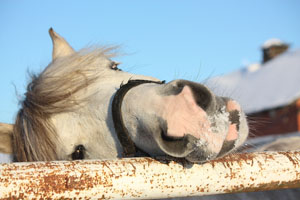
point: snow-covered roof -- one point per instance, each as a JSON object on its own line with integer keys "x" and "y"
{"x": 272, "y": 42}
{"x": 273, "y": 84}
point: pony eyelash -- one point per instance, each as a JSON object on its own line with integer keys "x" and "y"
{"x": 114, "y": 66}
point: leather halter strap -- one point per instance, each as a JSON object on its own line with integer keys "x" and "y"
{"x": 129, "y": 148}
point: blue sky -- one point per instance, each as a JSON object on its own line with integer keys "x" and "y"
{"x": 166, "y": 39}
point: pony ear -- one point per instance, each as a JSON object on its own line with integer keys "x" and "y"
{"x": 60, "y": 45}
{"x": 6, "y": 132}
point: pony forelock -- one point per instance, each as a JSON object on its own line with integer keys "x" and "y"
{"x": 52, "y": 92}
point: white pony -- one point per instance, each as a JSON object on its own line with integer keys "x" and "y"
{"x": 83, "y": 107}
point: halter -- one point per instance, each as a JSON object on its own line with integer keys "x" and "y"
{"x": 129, "y": 148}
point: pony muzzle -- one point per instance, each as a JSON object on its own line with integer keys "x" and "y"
{"x": 187, "y": 116}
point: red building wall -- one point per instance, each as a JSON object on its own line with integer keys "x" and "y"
{"x": 276, "y": 121}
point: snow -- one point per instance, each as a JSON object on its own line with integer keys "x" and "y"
{"x": 273, "y": 84}
{"x": 272, "y": 42}
{"x": 254, "y": 67}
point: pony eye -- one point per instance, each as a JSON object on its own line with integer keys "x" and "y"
{"x": 114, "y": 66}
{"x": 78, "y": 154}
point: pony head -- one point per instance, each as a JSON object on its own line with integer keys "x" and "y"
{"x": 82, "y": 106}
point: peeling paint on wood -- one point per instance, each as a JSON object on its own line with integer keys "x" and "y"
{"x": 143, "y": 178}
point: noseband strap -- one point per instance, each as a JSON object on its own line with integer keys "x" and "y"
{"x": 129, "y": 148}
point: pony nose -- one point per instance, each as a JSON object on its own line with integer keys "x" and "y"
{"x": 202, "y": 95}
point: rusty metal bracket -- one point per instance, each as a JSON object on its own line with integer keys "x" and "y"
{"x": 134, "y": 178}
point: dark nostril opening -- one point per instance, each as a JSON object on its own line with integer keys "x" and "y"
{"x": 203, "y": 96}
{"x": 204, "y": 101}
{"x": 234, "y": 118}
{"x": 79, "y": 152}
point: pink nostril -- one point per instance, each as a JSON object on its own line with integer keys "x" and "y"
{"x": 233, "y": 108}
{"x": 232, "y": 132}
{"x": 232, "y": 105}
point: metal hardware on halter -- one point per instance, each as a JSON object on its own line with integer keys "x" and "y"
{"x": 129, "y": 148}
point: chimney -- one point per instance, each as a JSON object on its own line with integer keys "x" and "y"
{"x": 272, "y": 48}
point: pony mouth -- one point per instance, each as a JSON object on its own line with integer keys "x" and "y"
{"x": 192, "y": 149}
{"x": 188, "y": 147}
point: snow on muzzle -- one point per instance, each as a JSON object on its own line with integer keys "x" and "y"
{"x": 197, "y": 124}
